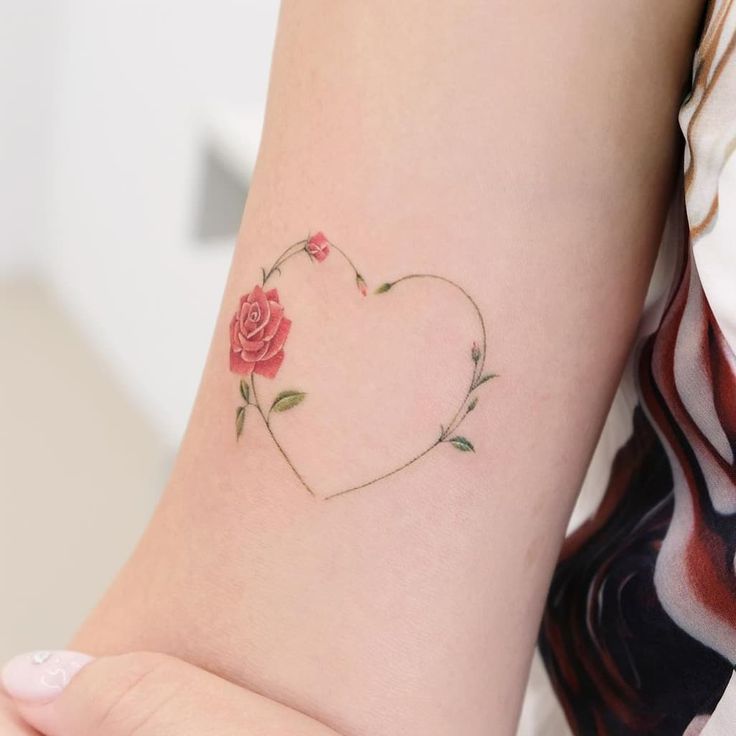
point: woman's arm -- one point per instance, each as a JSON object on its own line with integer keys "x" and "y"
{"x": 522, "y": 152}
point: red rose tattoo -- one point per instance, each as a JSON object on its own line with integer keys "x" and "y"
{"x": 258, "y": 332}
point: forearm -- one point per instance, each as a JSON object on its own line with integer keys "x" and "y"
{"x": 532, "y": 178}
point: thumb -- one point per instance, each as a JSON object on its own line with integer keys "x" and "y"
{"x": 71, "y": 694}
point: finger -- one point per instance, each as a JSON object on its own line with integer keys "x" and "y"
{"x": 11, "y": 724}
{"x": 70, "y": 694}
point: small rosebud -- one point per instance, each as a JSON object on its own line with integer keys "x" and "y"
{"x": 318, "y": 246}
{"x": 475, "y": 352}
{"x": 361, "y": 284}
{"x": 383, "y": 288}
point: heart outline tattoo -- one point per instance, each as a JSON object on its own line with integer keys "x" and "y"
{"x": 259, "y": 330}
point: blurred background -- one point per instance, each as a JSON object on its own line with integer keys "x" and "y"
{"x": 127, "y": 136}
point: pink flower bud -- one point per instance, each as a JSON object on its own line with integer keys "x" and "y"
{"x": 318, "y": 246}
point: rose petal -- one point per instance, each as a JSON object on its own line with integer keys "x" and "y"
{"x": 243, "y": 312}
{"x": 259, "y": 298}
{"x": 234, "y": 343}
{"x": 250, "y": 345}
{"x": 238, "y": 365}
{"x": 256, "y": 333}
{"x": 319, "y": 239}
{"x": 270, "y": 367}
{"x": 255, "y": 355}
{"x": 273, "y": 296}
{"x": 277, "y": 312}
{"x": 278, "y": 340}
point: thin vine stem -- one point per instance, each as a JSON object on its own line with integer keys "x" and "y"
{"x": 267, "y": 423}
{"x": 285, "y": 256}
{"x": 457, "y": 419}
{"x": 385, "y": 475}
{"x": 295, "y": 249}
{"x": 481, "y": 362}
{"x": 346, "y": 257}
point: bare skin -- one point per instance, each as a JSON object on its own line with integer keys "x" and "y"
{"x": 525, "y": 151}
{"x": 146, "y": 694}
{"x": 11, "y": 724}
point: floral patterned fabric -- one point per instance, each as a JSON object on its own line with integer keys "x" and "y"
{"x": 639, "y": 635}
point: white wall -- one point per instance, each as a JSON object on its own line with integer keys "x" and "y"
{"x": 28, "y": 45}
{"x": 135, "y": 83}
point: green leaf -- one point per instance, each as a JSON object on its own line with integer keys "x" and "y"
{"x": 245, "y": 390}
{"x": 462, "y": 443}
{"x": 483, "y": 379}
{"x": 287, "y": 400}
{"x": 239, "y": 420}
{"x": 383, "y": 288}
{"x": 472, "y": 404}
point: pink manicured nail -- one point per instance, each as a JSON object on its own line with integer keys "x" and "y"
{"x": 40, "y": 677}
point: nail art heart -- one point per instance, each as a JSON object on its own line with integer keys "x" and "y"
{"x": 260, "y": 330}
{"x": 55, "y": 679}
{"x": 58, "y": 668}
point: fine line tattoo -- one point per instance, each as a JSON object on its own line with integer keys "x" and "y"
{"x": 259, "y": 330}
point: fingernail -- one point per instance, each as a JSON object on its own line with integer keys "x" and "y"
{"x": 40, "y": 677}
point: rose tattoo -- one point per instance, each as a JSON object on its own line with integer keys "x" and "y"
{"x": 258, "y": 332}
